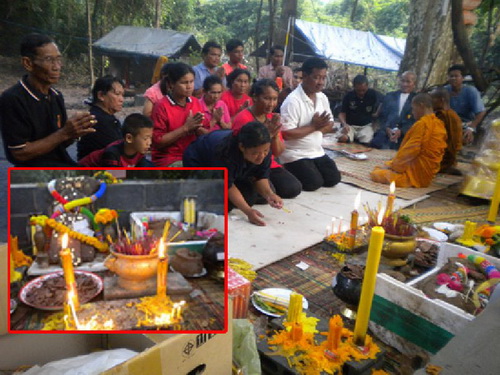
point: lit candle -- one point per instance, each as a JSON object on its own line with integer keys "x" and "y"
{"x": 161, "y": 280}
{"x": 390, "y": 199}
{"x": 327, "y": 233}
{"x": 369, "y": 279}
{"x": 294, "y": 308}
{"x": 69, "y": 274}
{"x": 333, "y": 225}
{"x": 495, "y": 200}
{"x": 340, "y": 224}
{"x": 334, "y": 332}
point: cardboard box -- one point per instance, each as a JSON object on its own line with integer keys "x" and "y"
{"x": 239, "y": 290}
{"x": 404, "y": 317}
{"x": 182, "y": 354}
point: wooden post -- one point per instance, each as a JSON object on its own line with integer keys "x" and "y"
{"x": 89, "y": 34}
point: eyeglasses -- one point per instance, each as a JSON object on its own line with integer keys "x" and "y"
{"x": 51, "y": 60}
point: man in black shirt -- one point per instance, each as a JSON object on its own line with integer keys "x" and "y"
{"x": 35, "y": 127}
{"x": 359, "y": 107}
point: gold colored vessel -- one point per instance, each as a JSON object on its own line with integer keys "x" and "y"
{"x": 135, "y": 272}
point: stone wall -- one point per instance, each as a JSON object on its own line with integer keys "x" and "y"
{"x": 127, "y": 197}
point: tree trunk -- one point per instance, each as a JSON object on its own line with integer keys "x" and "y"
{"x": 429, "y": 44}
{"x": 463, "y": 46}
{"x": 257, "y": 32}
{"x": 157, "y": 13}
{"x": 272, "y": 13}
{"x": 91, "y": 55}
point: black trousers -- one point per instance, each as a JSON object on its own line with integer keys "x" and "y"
{"x": 285, "y": 184}
{"x": 315, "y": 173}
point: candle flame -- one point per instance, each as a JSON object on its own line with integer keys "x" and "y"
{"x": 357, "y": 201}
{"x": 64, "y": 241}
{"x": 109, "y": 324}
{"x": 392, "y": 188}
{"x": 71, "y": 296}
{"x": 161, "y": 249}
{"x": 163, "y": 319}
{"x": 380, "y": 216}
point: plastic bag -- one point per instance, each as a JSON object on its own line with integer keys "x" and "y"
{"x": 245, "y": 352}
{"x": 88, "y": 364}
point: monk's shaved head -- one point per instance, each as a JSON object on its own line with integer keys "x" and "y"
{"x": 441, "y": 93}
{"x": 423, "y": 99}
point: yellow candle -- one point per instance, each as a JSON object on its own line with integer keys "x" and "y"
{"x": 294, "y": 308}
{"x": 186, "y": 210}
{"x": 166, "y": 228}
{"x": 390, "y": 199}
{"x": 69, "y": 273}
{"x": 161, "y": 280}
{"x": 354, "y": 222}
{"x": 334, "y": 332}
{"x": 495, "y": 200}
{"x": 193, "y": 211}
{"x": 369, "y": 279}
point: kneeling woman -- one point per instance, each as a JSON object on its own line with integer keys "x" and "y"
{"x": 265, "y": 98}
{"x": 247, "y": 157}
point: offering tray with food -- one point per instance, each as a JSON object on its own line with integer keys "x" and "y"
{"x": 48, "y": 292}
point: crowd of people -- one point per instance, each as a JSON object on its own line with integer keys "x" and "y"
{"x": 266, "y": 130}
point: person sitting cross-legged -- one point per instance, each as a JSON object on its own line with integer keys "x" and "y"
{"x": 453, "y": 125}
{"x": 419, "y": 157}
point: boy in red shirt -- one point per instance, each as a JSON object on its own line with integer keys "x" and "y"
{"x": 137, "y": 132}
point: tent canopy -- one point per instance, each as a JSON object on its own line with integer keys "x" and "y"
{"x": 127, "y": 41}
{"x": 345, "y": 45}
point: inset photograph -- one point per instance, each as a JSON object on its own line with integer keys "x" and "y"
{"x": 121, "y": 250}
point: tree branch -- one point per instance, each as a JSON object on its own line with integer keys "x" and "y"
{"x": 462, "y": 42}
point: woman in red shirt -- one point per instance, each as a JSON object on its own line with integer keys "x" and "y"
{"x": 264, "y": 93}
{"x": 177, "y": 118}
{"x": 236, "y": 97}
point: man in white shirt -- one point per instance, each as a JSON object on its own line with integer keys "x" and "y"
{"x": 305, "y": 117}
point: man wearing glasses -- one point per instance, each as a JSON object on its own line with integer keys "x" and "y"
{"x": 35, "y": 127}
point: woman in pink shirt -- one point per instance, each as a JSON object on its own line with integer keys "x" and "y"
{"x": 264, "y": 93}
{"x": 236, "y": 97}
{"x": 177, "y": 118}
{"x": 216, "y": 114}
{"x": 155, "y": 92}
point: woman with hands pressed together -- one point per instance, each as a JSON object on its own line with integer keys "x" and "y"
{"x": 177, "y": 118}
{"x": 236, "y": 97}
{"x": 216, "y": 114}
{"x": 247, "y": 157}
{"x": 264, "y": 93}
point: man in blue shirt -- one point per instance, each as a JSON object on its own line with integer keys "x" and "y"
{"x": 465, "y": 101}
{"x": 211, "y": 53}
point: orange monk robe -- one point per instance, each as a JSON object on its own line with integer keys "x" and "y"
{"x": 453, "y": 126}
{"x": 419, "y": 157}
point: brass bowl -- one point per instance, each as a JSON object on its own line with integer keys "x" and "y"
{"x": 135, "y": 272}
{"x": 398, "y": 246}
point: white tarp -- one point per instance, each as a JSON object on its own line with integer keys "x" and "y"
{"x": 352, "y": 46}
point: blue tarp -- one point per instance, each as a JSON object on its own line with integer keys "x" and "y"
{"x": 350, "y": 46}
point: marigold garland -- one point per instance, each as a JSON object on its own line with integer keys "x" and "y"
{"x": 107, "y": 177}
{"x": 92, "y": 241}
{"x": 105, "y": 216}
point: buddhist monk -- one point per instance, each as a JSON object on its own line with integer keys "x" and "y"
{"x": 419, "y": 157}
{"x": 453, "y": 126}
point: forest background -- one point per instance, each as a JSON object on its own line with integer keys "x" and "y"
{"x": 431, "y": 41}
